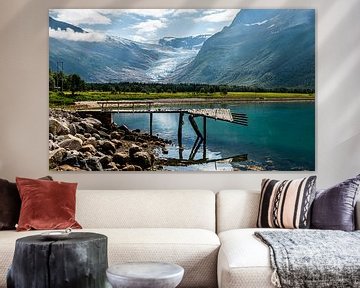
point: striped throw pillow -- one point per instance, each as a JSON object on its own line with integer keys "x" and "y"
{"x": 286, "y": 204}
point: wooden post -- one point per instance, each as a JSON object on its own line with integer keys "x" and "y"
{"x": 79, "y": 261}
{"x": 151, "y": 123}
{"x": 204, "y": 135}
{"x": 181, "y": 122}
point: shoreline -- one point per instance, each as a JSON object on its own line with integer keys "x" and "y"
{"x": 194, "y": 101}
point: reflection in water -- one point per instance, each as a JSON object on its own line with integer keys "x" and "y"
{"x": 280, "y": 136}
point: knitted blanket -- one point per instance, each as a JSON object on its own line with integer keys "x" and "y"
{"x": 313, "y": 258}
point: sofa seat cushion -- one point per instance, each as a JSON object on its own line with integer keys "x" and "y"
{"x": 194, "y": 249}
{"x": 244, "y": 261}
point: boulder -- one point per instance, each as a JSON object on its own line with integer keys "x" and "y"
{"x": 133, "y": 149}
{"x": 92, "y": 141}
{"x": 71, "y": 160}
{"x": 96, "y": 136}
{"x": 105, "y": 160}
{"x": 128, "y": 168}
{"x": 80, "y": 136}
{"x": 94, "y": 164}
{"x": 121, "y": 158}
{"x": 94, "y": 122}
{"x": 87, "y": 135}
{"x": 107, "y": 147}
{"x": 89, "y": 128}
{"x": 72, "y": 128}
{"x": 58, "y": 128}
{"x": 117, "y": 143}
{"x": 124, "y": 128}
{"x": 115, "y": 135}
{"x": 66, "y": 167}
{"x": 88, "y": 148}
{"x": 56, "y": 156}
{"x": 142, "y": 159}
{"x": 73, "y": 143}
{"x": 112, "y": 167}
{"x": 103, "y": 134}
{"x": 52, "y": 145}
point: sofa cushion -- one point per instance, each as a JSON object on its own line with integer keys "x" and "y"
{"x": 286, "y": 204}
{"x": 46, "y": 204}
{"x": 244, "y": 260}
{"x": 334, "y": 208}
{"x": 153, "y": 209}
{"x": 194, "y": 249}
{"x": 10, "y": 204}
{"x": 236, "y": 209}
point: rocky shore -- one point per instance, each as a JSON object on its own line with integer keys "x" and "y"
{"x": 85, "y": 143}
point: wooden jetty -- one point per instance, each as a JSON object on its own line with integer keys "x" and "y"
{"x": 107, "y": 108}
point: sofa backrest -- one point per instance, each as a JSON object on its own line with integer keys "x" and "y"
{"x": 236, "y": 209}
{"x": 239, "y": 209}
{"x": 146, "y": 209}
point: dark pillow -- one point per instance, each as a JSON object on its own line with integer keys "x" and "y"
{"x": 286, "y": 204}
{"x": 46, "y": 204}
{"x": 334, "y": 208}
{"x": 10, "y": 204}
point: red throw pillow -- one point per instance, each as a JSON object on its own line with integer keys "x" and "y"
{"x": 46, "y": 204}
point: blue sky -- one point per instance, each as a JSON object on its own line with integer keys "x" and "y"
{"x": 145, "y": 25}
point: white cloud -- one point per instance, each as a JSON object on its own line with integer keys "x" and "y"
{"x": 156, "y": 13}
{"x": 81, "y": 16}
{"x": 149, "y": 26}
{"x": 71, "y": 35}
{"x": 221, "y": 15}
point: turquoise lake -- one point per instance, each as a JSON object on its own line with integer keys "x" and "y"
{"x": 279, "y": 136}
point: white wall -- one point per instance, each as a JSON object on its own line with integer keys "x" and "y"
{"x": 24, "y": 95}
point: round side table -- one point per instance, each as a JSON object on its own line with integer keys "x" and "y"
{"x": 78, "y": 261}
{"x": 145, "y": 275}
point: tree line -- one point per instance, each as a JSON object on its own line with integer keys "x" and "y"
{"x": 59, "y": 81}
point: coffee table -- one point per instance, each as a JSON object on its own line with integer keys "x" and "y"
{"x": 145, "y": 275}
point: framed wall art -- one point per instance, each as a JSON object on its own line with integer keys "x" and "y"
{"x": 181, "y": 89}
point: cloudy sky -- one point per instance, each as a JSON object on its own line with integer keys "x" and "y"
{"x": 143, "y": 25}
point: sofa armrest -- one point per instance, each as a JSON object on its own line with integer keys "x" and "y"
{"x": 357, "y": 215}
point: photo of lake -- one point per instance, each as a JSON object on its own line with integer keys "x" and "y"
{"x": 182, "y": 89}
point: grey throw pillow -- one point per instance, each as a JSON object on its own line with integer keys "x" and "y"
{"x": 334, "y": 208}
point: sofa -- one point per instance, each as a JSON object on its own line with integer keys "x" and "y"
{"x": 210, "y": 235}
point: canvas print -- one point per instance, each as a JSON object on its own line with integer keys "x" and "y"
{"x": 181, "y": 89}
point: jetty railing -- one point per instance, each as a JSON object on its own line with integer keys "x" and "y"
{"x": 150, "y": 107}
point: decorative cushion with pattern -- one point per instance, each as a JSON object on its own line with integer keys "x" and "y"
{"x": 286, "y": 204}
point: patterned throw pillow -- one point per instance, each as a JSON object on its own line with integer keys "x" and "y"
{"x": 286, "y": 204}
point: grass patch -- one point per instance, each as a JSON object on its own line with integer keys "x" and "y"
{"x": 66, "y": 99}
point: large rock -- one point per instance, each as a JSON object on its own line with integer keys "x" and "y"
{"x": 94, "y": 164}
{"x": 133, "y": 149}
{"x": 121, "y": 158}
{"x": 94, "y": 122}
{"x": 107, "y": 147}
{"x": 56, "y": 156}
{"x": 71, "y": 160}
{"x": 72, "y": 128}
{"x": 88, "y": 148}
{"x": 92, "y": 141}
{"x": 125, "y": 129}
{"x": 73, "y": 143}
{"x": 142, "y": 159}
{"x": 67, "y": 167}
{"x": 58, "y": 128}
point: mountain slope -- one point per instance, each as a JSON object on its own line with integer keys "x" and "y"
{"x": 185, "y": 42}
{"x": 264, "y": 48}
{"x": 58, "y": 25}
